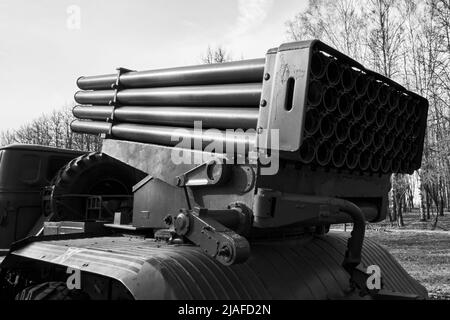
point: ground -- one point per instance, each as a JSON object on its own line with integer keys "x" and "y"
{"x": 423, "y": 252}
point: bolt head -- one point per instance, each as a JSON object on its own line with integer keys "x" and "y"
{"x": 266, "y": 76}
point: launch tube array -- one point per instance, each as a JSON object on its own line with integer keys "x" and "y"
{"x": 154, "y": 104}
{"x": 356, "y": 121}
{"x": 352, "y": 118}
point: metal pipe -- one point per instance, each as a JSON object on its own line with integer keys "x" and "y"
{"x": 247, "y": 94}
{"x": 378, "y": 139}
{"x": 368, "y": 136}
{"x": 391, "y": 120}
{"x": 330, "y": 99}
{"x": 402, "y": 105}
{"x": 218, "y": 73}
{"x": 370, "y": 114}
{"x": 314, "y": 93}
{"x": 318, "y": 65}
{"x": 389, "y": 142}
{"x": 347, "y": 79}
{"x": 345, "y": 104}
{"x": 381, "y": 117}
{"x": 339, "y": 155}
{"x": 375, "y": 164}
{"x": 323, "y": 154}
{"x": 312, "y": 122}
{"x": 307, "y": 151}
{"x": 386, "y": 165}
{"x": 352, "y": 158}
{"x": 400, "y": 124}
{"x": 220, "y": 118}
{"x": 362, "y": 82}
{"x": 358, "y": 109}
{"x": 396, "y": 165}
{"x": 416, "y": 110}
{"x": 383, "y": 95}
{"x": 364, "y": 160}
{"x": 169, "y": 136}
{"x": 355, "y": 133}
{"x": 341, "y": 130}
{"x": 333, "y": 72}
{"x": 394, "y": 99}
{"x": 373, "y": 89}
{"x": 327, "y": 125}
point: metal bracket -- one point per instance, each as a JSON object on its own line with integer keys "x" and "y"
{"x": 116, "y": 86}
{"x": 201, "y": 226}
{"x": 212, "y": 172}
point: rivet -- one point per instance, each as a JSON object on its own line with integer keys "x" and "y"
{"x": 263, "y": 103}
{"x": 266, "y": 76}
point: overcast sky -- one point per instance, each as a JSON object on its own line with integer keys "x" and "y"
{"x": 43, "y": 48}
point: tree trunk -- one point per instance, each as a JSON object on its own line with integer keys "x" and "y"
{"x": 428, "y": 202}
{"x": 400, "y": 222}
{"x": 422, "y": 206}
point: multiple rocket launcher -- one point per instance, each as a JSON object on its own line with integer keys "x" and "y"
{"x": 351, "y": 118}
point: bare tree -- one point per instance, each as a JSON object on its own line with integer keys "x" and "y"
{"x": 216, "y": 55}
{"x": 340, "y": 23}
{"x": 52, "y": 130}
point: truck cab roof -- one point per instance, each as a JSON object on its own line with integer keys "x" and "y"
{"x": 39, "y": 148}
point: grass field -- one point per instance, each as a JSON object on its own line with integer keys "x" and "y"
{"x": 424, "y": 253}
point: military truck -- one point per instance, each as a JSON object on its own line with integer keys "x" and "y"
{"x": 24, "y": 172}
{"x": 241, "y": 207}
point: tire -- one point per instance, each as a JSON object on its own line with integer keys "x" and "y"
{"x": 93, "y": 174}
{"x": 51, "y": 291}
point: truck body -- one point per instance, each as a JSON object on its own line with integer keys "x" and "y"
{"x": 24, "y": 172}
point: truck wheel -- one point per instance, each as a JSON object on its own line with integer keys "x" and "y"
{"x": 51, "y": 291}
{"x": 90, "y": 174}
